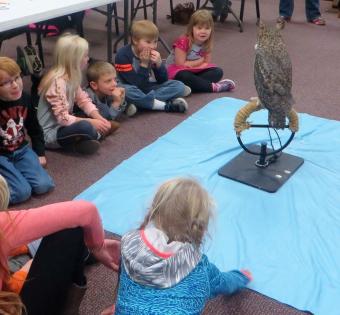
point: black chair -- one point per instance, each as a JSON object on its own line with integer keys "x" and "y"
{"x": 6, "y": 35}
{"x": 172, "y": 9}
{"x": 257, "y": 5}
{"x": 229, "y": 10}
{"x": 74, "y": 20}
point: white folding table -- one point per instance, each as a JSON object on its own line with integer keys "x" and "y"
{"x": 23, "y": 12}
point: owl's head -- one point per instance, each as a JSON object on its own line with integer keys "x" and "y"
{"x": 268, "y": 37}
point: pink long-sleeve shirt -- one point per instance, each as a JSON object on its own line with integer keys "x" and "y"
{"x": 62, "y": 106}
{"x": 55, "y": 108}
{"x": 23, "y": 226}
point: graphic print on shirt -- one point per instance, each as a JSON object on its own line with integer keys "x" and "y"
{"x": 12, "y": 127}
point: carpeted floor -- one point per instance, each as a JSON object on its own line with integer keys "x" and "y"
{"x": 314, "y": 51}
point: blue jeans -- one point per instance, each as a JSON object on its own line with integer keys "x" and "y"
{"x": 79, "y": 131}
{"x": 162, "y": 92}
{"x": 24, "y": 174}
{"x": 312, "y": 8}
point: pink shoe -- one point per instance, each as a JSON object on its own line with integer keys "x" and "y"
{"x": 318, "y": 21}
{"x": 228, "y": 83}
{"x": 225, "y": 85}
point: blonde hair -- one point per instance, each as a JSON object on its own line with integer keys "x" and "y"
{"x": 181, "y": 208}
{"x": 97, "y": 69}
{"x": 4, "y": 194}
{"x": 10, "y": 304}
{"x": 144, "y": 29}
{"x": 9, "y": 66}
{"x": 201, "y": 18}
{"x": 69, "y": 51}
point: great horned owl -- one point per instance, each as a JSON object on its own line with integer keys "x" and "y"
{"x": 273, "y": 75}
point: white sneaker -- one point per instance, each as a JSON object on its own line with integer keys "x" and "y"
{"x": 130, "y": 110}
{"x": 187, "y": 91}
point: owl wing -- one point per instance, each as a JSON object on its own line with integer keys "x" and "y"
{"x": 273, "y": 82}
{"x": 273, "y": 78}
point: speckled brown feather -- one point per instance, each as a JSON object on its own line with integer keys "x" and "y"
{"x": 273, "y": 75}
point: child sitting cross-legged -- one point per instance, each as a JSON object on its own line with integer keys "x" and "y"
{"x": 190, "y": 58}
{"x": 59, "y": 91}
{"x": 104, "y": 92}
{"x": 163, "y": 268}
{"x": 144, "y": 76}
{"x": 22, "y": 167}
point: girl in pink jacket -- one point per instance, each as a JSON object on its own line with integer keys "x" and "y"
{"x": 70, "y": 231}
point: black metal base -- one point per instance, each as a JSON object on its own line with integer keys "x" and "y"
{"x": 242, "y": 169}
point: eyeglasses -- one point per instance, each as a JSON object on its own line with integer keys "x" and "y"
{"x": 9, "y": 83}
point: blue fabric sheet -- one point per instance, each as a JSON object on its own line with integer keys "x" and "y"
{"x": 289, "y": 239}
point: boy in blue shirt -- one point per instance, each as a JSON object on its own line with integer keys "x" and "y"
{"x": 143, "y": 74}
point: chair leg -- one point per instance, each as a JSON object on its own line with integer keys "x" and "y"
{"x": 257, "y": 10}
{"x": 242, "y": 10}
{"x": 145, "y": 10}
{"x": 172, "y": 12}
{"x": 78, "y": 21}
{"x": 115, "y": 12}
{"x": 28, "y": 38}
{"x": 134, "y": 9}
{"x": 204, "y": 5}
{"x": 239, "y": 22}
{"x": 154, "y": 11}
{"x": 39, "y": 44}
{"x": 198, "y": 4}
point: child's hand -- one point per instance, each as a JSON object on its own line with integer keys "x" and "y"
{"x": 118, "y": 95}
{"x": 43, "y": 161}
{"x": 247, "y": 273}
{"x": 144, "y": 57}
{"x": 203, "y": 65}
{"x": 103, "y": 126}
{"x": 109, "y": 311}
{"x": 155, "y": 58}
{"x": 109, "y": 254}
{"x": 197, "y": 63}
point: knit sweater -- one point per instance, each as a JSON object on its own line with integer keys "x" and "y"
{"x": 158, "y": 278}
{"x": 23, "y": 226}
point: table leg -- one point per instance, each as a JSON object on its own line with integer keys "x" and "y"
{"x": 257, "y": 10}
{"x": 109, "y": 32}
{"x": 242, "y": 10}
{"x": 126, "y": 22}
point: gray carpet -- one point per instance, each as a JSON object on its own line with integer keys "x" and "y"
{"x": 314, "y": 51}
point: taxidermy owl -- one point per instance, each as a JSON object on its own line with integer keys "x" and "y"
{"x": 273, "y": 75}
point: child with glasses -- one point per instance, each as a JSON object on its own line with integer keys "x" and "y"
{"x": 20, "y": 165}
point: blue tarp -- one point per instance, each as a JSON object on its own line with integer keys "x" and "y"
{"x": 289, "y": 239}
